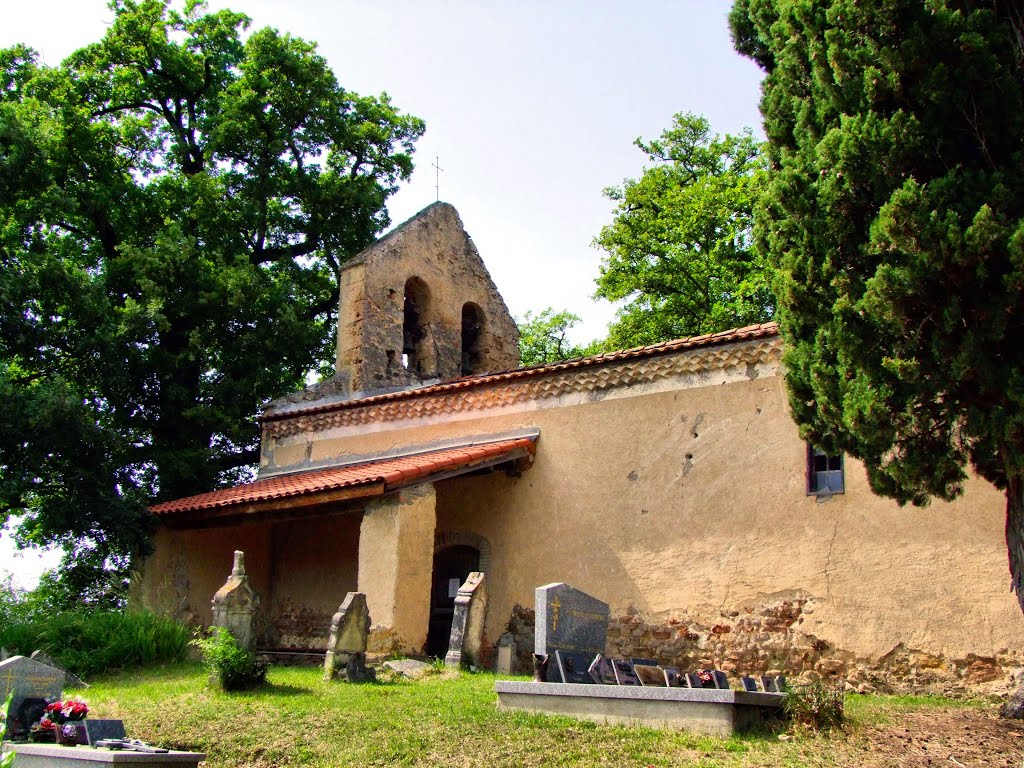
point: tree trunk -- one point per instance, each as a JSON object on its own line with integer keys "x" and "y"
{"x": 1014, "y": 707}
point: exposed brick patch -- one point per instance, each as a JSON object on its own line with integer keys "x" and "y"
{"x": 766, "y": 640}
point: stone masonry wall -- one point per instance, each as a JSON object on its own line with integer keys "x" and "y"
{"x": 767, "y": 640}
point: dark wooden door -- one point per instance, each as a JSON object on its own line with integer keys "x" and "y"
{"x": 451, "y": 567}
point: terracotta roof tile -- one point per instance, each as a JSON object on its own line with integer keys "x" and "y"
{"x": 748, "y": 333}
{"x": 397, "y": 471}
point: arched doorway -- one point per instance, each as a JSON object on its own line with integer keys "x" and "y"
{"x": 451, "y": 567}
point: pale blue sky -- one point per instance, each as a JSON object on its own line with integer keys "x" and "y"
{"x": 531, "y": 105}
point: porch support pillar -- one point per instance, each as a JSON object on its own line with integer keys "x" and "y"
{"x": 396, "y": 558}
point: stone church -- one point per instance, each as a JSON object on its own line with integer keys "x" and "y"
{"x": 668, "y": 481}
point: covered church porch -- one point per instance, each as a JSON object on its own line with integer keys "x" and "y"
{"x": 372, "y": 526}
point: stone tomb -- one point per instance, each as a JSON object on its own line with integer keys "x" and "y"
{"x": 571, "y": 627}
{"x": 27, "y": 679}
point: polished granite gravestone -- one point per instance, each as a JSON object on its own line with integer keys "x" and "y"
{"x": 569, "y": 620}
{"x": 602, "y": 671}
{"x": 26, "y": 678}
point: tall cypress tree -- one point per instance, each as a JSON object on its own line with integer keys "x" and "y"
{"x": 894, "y": 214}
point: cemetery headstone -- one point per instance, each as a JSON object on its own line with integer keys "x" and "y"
{"x": 693, "y": 680}
{"x": 721, "y": 680}
{"x": 468, "y": 622}
{"x": 574, "y": 667}
{"x": 601, "y": 671}
{"x": 569, "y": 620}
{"x": 346, "y": 643}
{"x": 749, "y": 684}
{"x": 27, "y": 678}
{"x": 506, "y": 651}
{"x": 235, "y": 604}
{"x": 70, "y": 680}
{"x": 651, "y": 676}
{"x": 770, "y": 684}
{"x": 624, "y": 674}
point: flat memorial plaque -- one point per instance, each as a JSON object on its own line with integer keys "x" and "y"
{"x": 721, "y": 680}
{"x": 569, "y": 620}
{"x": 673, "y": 679}
{"x": 650, "y": 676}
{"x": 602, "y": 671}
{"x": 693, "y": 680}
{"x": 769, "y": 684}
{"x": 95, "y": 730}
{"x": 749, "y": 684}
{"x": 574, "y": 667}
{"x": 624, "y": 674}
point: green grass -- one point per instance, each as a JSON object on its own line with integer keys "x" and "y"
{"x": 299, "y": 720}
{"x": 89, "y": 642}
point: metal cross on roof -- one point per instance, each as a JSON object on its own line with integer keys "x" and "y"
{"x": 438, "y": 170}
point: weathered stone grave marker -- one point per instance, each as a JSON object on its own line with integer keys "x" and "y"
{"x": 27, "y": 679}
{"x": 235, "y": 604}
{"x": 568, "y": 620}
{"x": 346, "y": 644}
{"x": 467, "y": 633}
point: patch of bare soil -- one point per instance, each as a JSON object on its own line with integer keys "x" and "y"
{"x": 955, "y": 738}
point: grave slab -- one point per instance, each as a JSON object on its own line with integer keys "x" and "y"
{"x": 712, "y": 711}
{"x": 54, "y": 756}
{"x": 27, "y": 678}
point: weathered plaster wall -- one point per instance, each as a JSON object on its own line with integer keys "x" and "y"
{"x": 188, "y": 567}
{"x": 395, "y": 557}
{"x": 301, "y": 571}
{"x": 686, "y": 510}
{"x": 434, "y": 247}
{"x": 315, "y": 565}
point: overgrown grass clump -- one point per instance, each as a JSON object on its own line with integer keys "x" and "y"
{"x": 88, "y": 642}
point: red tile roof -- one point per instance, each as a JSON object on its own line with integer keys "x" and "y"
{"x": 748, "y": 333}
{"x": 373, "y": 478}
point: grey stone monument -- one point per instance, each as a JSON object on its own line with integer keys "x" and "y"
{"x": 27, "y": 679}
{"x": 468, "y": 623}
{"x": 346, "y": 643}
{"x": 569, "y": 620}
{"x": 235, "y": 604}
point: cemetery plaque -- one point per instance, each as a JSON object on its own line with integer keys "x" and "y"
{"x": 602, "y": 671}
{"x": 749, "y": 684}
{"x": 721, "y": 680}
{"x": 574, "y": 667}
{"x": 569, "y": 620}
{"x": 673, "y": 679}
{"x": 26, "y": 679}
{"x": 95, "y": 730}
{"x": 624, "y": 674}
{"x": 693, "y": 679}
{"x": 650, "y": 676}
{"x": 769, "y": 684}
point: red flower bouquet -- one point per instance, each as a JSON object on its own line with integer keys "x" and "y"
{"x": 70, "y": 711}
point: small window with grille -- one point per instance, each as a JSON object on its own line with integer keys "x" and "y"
{"x": 824, "y": 472}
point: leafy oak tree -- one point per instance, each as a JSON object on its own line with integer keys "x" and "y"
{"x": 679, "y": 249}
{"x": 544, "y": 338}
{"x": 175, "y": 203}
{"x": 895, "y": 215}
